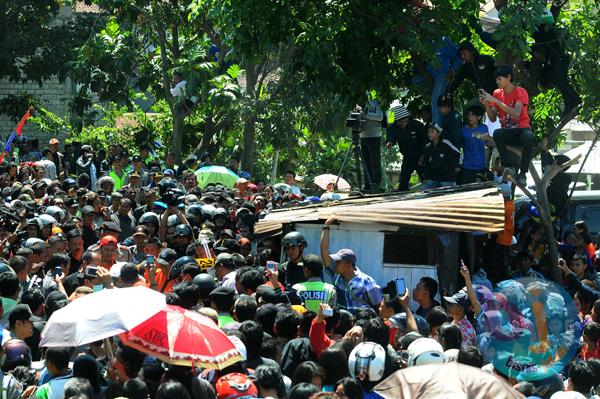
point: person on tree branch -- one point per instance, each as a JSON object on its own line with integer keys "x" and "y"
{"x": 510, "y": 103}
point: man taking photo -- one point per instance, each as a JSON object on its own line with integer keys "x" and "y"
{"x": 355, "y": 289}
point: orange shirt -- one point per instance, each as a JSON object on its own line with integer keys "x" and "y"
{"x": 160, "y": 278}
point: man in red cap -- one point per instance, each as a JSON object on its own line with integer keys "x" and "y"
{"x": 108, "y": 251}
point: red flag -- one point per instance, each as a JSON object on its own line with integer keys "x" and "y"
{"x": 19, "y": 128}
{"x": 2, "y": 157}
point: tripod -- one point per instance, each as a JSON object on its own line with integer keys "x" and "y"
{"x": 358, "y": 160}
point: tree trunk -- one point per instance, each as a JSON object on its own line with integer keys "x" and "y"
{"x": 177, "y": 133}
{"x": 249, "y": 123}
{"x": 546, "y": 222}
{"x": 209, "y": 132}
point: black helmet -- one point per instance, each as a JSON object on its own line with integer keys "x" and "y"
{"x": 206, "y": 283}
{"x": 220, "y": 212}
{"x": 165, "y": 184}
{"x": 294, "y": 239}
{"x": 149, "y": 217}
{"x": 68, "y": 184}
{"x": 16, "y": 353}
{"x": 183, "y": 230}
{"x": 195, "y": 210}
{"x": 179, "y": 264}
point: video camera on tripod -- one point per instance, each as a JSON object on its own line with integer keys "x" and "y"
{"x": 355, "y": 119}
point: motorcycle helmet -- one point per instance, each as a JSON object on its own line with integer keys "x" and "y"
{"x": 293, "y": 239}
{"x": 367, "y": 362}
{"x": 425, "y": 351}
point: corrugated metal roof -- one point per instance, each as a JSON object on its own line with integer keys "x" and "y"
{"x": 476, "y": 208}
{"x": 81, "y": 7}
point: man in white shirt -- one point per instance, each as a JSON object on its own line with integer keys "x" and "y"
{"x": 290, "y": 180}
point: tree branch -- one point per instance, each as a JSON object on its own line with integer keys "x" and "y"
{"x": 175, "y": 33}
{"x": 526, "y": 191}
{"x": 556, "y": 169}
{"x": 563, "y": 122}
{"x": 162, "y": 41}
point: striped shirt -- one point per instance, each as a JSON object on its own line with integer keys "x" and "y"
{"x": 360, "y": 292}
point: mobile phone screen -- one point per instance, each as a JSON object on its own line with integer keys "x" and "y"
{"x": 400, "y": 286}
{"x": 272, "y": 266}
{"x": 150, "y": 259}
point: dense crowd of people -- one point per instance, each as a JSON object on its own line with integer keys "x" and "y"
{"x": 87, "y": 219}
{"x": 312, "y": 326}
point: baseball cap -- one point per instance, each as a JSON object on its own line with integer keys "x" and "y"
{"x": 87, "y": 210}
{"x": 20, "y": 312}
{"x": 225, "y": 259}
{"x": 235, "y": 385}
{"x": 222, "y": 293}
{"x": 54, "y": 140}
{"x": 38, "y": 184}
{"x": 169, "y": 172}
{"x": 112, "y": 226}
{"x": 345, "y": 255}
{"x": 115, "y": 270}
{"x": 227, "y": 232}
{"x": 140, "y": 230}
{"x": 230, "y": 245}
{"x": 267, "y": 293}
{"x": 460, "y": 298}
{"x": 166, "y": 256}
{"x": 106, "y": 240}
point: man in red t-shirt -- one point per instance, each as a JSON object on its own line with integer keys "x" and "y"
{"x": 509, "y": 103}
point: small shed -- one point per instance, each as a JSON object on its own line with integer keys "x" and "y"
{"x": 401, "y": 235}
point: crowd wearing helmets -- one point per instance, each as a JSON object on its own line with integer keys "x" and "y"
{"x": 307, "y": 325}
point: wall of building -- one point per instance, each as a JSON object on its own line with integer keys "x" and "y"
{"x": 54, "y": 96}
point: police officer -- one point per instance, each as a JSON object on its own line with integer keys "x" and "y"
{"x": 222, "y": 300}
{"x": 291, "y": 272}
{"x": 314, "y": 291}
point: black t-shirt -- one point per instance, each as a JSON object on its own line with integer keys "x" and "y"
{"x": 291, "y": 273}
{"x": 90, "y": 237}
{"x": 423, "y": 312}
{"x": 75, "y": 264}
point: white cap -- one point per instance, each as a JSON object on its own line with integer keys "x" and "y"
{"x": 115, "y": 270}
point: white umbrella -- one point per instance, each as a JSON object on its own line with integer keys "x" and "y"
{"x": 101, "y": 315}
{"x": 324, "y": 180}
{"x": 448, "y": 380}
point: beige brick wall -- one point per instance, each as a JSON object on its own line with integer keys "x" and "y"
{"x": 53, "y": 95}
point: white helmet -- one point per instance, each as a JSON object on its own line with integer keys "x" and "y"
{"x": 367, "y": 362}
{"x": 425, "y": 351}
{"x": 46, "y": 220}
{"x": 56, "y": 212}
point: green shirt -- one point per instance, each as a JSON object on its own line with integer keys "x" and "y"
{"x": 224, "y": 319}
{"x": 314, "y": 293}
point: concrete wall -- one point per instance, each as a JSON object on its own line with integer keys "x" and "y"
{"x": 54, "y": 96}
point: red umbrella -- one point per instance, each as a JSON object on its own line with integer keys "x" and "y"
{"x": 183, "y": 337}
